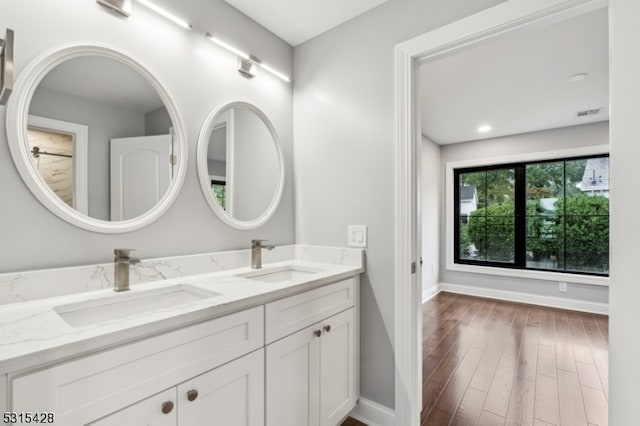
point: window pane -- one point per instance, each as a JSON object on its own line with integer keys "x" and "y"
{"x": 587, "y": 215}
{"x": 500, "y": 215}
{"x": 472, "y": 192}
{"x": 500, "y": 236}
{"x": 468, "y": 249}
{"x": 500, "y": 190}
{"x": 587, "y": 233}
{"x": 475, "y": 237}
{"x": 591, "y": 176}
{"x": 545, "y": 182}
{"x": 545, "y": 246}
{"x": 487, "y": 215}
{"x": 575, "y": 174}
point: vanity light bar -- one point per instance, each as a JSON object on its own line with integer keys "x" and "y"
{"x": 274, "y": 72}
{"x": 162, "y": 12}
{"x": 227, "y": 46}
{"x": 247, "y": 60}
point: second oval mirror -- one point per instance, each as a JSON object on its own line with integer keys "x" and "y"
{"x": 240, "y": 165}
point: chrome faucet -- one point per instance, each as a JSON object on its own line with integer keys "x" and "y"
{"x": 122, "y": 262}
{"x": 256, "y": 253}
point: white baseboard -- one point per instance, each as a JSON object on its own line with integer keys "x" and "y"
{"x": 373, "y": 414}
{"x": 534, "y": 299}
{"x": 430, "y": 292}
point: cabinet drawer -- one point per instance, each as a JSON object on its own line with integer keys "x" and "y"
{"x": 294, "y": 313}
{"x": 83, "y": 390}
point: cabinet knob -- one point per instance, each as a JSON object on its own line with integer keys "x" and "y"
{"x": 317, "y": 333}
{"x": 192, "y": 395}
{"x": 167, "y": 407}
{"x": 327, "y": 328}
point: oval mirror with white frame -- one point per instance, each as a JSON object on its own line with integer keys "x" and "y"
{"x": 96, "y": 138}
{"x": 240, "y": 165}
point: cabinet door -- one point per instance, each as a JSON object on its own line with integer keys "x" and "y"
{"x": 158, "y": 410}
{"x": 229, "y": 395}
{"x": 293, "y": 374}
{"x": 338, "y": 367}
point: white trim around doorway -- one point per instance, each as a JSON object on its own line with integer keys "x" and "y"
{"x": 508, "y": 16}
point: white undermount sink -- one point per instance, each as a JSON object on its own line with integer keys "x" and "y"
{"x": 95, "y": 311}
{"x": 281, "y": 273}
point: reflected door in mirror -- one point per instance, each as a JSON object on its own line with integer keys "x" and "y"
{"x": 140, "y": 174}
{"x": 113, "y": 102}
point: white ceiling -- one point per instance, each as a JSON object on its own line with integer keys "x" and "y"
{"x": 297, "y": 21}
{"x": 104, "y": 80}
{"x": 518, "y": 83}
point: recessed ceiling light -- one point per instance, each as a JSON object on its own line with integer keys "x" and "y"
{"x": 578, "y": 77}
{"x": 484, "y": 129}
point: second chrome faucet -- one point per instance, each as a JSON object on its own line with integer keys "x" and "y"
{"x": 256, "y": 253}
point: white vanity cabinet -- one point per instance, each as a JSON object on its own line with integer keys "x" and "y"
{"x": 290, "y": 362}
{"x": 229, "y": 395}
{"x": 312, "y": 374}
{"x": 88, "y": 389}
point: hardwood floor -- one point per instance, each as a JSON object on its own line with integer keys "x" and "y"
{"x": 488, "y": 362}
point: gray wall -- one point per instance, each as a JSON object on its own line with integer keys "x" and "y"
{"x": 255, "y": 166}
{"x": 197, "y": 74}
{"x": 431, "y": 184}
{"x": 550, "y": 140}
{"x": 624, "y": 369}
{"x": 157, "y": 122}
{"x": 105, "y": 122}
{"x": 217, "y": 167}
{"x": 344, "y": 156}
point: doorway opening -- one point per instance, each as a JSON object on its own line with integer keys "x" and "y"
{"x": 514, "y": 17}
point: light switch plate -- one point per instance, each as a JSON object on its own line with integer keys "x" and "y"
{"x": 357, "y": 235}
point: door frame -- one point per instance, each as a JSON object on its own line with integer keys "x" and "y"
{"x": 80, "y": 134}
{"x": 478, "y": 28}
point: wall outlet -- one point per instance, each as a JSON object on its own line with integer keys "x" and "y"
{"x": 357, "y": 235}
{"x": 562, "y": 287}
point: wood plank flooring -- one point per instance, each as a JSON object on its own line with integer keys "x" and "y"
{"x": 488, "y": 362}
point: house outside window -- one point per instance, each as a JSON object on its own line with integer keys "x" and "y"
{"x": 548, "y": 215}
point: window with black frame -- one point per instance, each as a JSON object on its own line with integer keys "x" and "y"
{"x": 548, "y": 215}
{"x": 219, "y": 188}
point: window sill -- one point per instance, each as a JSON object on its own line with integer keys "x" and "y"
{"x": 529, "y": 274}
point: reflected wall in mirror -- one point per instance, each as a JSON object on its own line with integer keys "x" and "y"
{"x": 240, "y": 165}
{"x": 96, "y": 138}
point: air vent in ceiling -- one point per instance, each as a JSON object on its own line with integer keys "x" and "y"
{"x": 587, "y": 112}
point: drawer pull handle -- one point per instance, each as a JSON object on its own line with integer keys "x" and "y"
{"x": 167, "y": 407}
{"x": 327, "y": 328}
{"x": 317, "y": 333}
{"x": 192, "y": 395}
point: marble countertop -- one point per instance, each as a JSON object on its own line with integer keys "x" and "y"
{"x": 33, "y": 334}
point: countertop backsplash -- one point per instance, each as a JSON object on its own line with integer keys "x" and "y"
{"x": 39, "y": 284}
